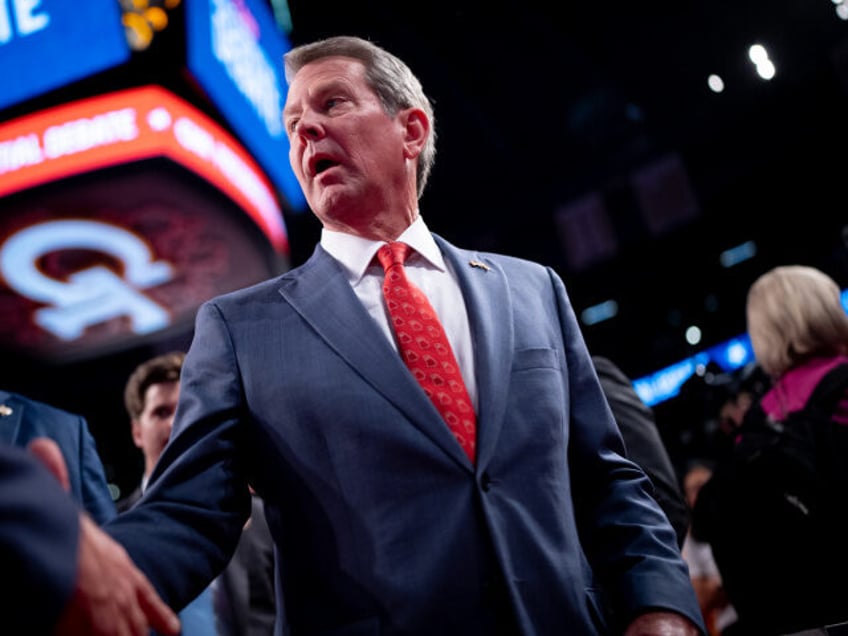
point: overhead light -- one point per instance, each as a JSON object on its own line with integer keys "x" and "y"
{"x": 715, "y": 83}
{"x": 759, "y": 56}
{"x": 693, "y": 335}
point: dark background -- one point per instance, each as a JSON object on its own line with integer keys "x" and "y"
{"x": 539, "y": 105}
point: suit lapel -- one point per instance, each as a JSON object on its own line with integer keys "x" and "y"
{"x": 489, "y": 305}
{"x": 10, "y": 417}
{"x": 320, "y": 293}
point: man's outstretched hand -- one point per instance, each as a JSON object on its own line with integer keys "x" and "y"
{"x": 48, "y": 453}
{"x": 661, "y": 623}
{"x": 111, "y": 596}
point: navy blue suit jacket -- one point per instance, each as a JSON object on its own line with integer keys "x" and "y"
{"x": 24, "y": 419}
{"x": 39, "y": 534}
{"x": 381, "y": 523}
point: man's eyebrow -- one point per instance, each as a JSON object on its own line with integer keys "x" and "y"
{"x": 291, "y": 109}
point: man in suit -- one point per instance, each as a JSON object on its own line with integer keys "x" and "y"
{"x": 23, "y": 419}
{"x": 643, "y": 442}
{"x": 64, "y": 575}
{"x": 383, "y": 523}
{"x": 150, "y": 398}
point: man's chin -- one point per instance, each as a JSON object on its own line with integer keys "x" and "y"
{"x": 330, "y": 203}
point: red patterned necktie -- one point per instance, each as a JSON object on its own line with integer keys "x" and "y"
{"x": 425, "y": 347}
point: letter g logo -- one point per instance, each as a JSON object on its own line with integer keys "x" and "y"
{"x": 92, "y": 295}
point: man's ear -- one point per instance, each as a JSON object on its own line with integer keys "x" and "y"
{"x": 136, "y": 434}
{"x": 416, "y": 130}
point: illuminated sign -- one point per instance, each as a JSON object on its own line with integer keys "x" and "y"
{"x": 45, "y": 44}
{"x": 104, "y": 261}
{"x": 729, "y": 355}
{"x": 235, "y": 51}
{"x": 666, "y": 383}
{"x": 89, "y": 296}
{"x": 128, "y": 126}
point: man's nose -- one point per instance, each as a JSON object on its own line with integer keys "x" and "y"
{"x": 309, "y": 127}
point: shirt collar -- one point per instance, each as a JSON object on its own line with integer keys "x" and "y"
{"x": 356, "y": 253}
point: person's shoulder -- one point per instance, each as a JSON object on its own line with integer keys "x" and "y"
{"x": 270, "y": 287}
{"x": 607, "y": 369}
{"x": 44, "y": 409}
{"x": 489, "y": 259}
{"x": 797, "y": 387}
{"x": 255, "y": 291}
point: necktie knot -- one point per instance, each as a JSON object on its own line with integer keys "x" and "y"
{"x": 394, "y": 253}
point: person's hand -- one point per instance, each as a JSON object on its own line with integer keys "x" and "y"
{"x": 661, "y": 624}
{"x": 111, "y": 597}
{"x": 48, "y": 452}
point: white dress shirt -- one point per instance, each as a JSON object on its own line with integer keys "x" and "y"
{"x": 426, "y": 268}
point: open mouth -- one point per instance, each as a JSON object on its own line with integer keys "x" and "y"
{"x": 321, "y": 163}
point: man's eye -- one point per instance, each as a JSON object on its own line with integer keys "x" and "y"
{"x": 333, "y": 101}
{"x": 291, "y": 124}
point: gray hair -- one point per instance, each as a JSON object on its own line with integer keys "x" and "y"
{"x": 795, "y": 312}
{"x": 389, "y": 77}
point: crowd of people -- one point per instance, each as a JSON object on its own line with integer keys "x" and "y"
{"x": 404, "y": 437}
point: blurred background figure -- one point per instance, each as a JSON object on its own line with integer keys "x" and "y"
{"x": 734, "y": 398}
{"x": 150, "y": 397}
{"x": 719, "y": 614}
{"x": 776, "y": 508}
{"x": 23, "y": 419}
{"x": 643, "y": 442}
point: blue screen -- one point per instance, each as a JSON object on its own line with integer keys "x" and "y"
{"x": 45, "y": 44}
{"x": 235, "y": 51}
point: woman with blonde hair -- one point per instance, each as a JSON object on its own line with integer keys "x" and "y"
{"x": 775, "y": 510}
{"x": 799, "y": 331}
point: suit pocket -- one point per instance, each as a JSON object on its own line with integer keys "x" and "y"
{"x": 535, "y": 359}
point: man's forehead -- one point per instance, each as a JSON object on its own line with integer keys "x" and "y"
{"x": 340, "y": 65}
{"x": 323, "y": 74}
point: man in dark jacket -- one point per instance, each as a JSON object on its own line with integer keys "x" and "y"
{"x": 643, "y": 442}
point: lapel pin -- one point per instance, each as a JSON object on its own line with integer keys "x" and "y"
{"x": 479, "y": 265}
{"x": 5, "y": 410}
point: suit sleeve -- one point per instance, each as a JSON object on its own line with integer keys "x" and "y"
{"x": 627, "y": 537}
{"x": 38, "y": 539}
{"x": 185, "y": 528}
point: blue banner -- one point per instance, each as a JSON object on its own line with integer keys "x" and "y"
{"x": 45, "y": 44}
{"x": 235, "y": 52}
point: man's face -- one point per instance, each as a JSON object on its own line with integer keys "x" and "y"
{"x": 152, "y": 428}
{"x": 346, "y": 151}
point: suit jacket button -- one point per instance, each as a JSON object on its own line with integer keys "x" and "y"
{"x": 486, "y": 482}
